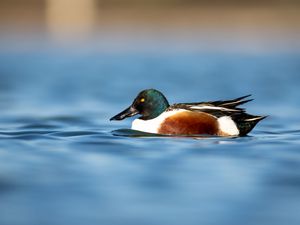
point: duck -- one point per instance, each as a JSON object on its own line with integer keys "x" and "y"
{"x": 218, "y": 118}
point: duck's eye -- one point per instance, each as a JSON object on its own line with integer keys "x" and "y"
{"x": 142, "y": 100}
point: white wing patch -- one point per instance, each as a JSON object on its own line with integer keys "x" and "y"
{"x": 152, "y": 126}
{"x": 213, "y": 108}
{"x": 255, "y": 118}
{"x": 228, "y": 126}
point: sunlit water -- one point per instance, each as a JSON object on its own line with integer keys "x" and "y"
{"x": 63, "y": 162}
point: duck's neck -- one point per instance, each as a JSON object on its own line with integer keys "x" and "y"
{"x": 155, "y": 111}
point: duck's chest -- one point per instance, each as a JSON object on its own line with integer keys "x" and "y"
{"x": 153, "y": 125}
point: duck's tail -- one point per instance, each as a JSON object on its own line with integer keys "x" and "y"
{"x": 247, "y": 122}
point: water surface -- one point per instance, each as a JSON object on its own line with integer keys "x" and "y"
{"x": 61, "y": 163}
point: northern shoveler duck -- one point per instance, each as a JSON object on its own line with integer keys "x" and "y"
{"x": 221, "y": 118}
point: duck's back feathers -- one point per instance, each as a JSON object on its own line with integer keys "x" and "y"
{"x": 233, "y": 103}
{"x": 228, "y": 108}
{"x": 216, "y": 108}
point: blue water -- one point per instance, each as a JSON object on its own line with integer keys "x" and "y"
{"x": 63, "y": 162}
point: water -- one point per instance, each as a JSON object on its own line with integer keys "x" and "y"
{"x": 63, "y": 162}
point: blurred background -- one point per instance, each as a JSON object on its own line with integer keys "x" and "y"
{"x": 67, "y": 66}
{"x": 252, "y": 26}
{"x": 78, "y": 48}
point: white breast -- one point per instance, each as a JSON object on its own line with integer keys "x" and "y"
{"x": 153, "y": 125}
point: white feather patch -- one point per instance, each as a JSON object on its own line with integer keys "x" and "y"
{"x": 255, "y": 118}
{"x": 152, "y": 126}
{"x": 212, "y": 108}
{"x": 228, "y": 126}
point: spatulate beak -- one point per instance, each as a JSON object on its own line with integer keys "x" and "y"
{"x": 130, "y": 111}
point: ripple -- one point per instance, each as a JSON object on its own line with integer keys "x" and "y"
{"x": 73, "y": 133}
{"x": 68, "y": 119}
{"x": 27, "y": 135}
{"x": 19, "y": 133}
{"x": 40, "y": 126}
{"x": 135, "y": 133}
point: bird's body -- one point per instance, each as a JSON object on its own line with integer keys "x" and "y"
{"x": 186, "y": 122}
{"x": 221, "y": 118}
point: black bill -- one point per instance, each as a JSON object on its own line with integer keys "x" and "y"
{"x": 130, "y": 111}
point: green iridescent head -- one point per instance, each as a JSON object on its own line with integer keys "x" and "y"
{"x": 149, "y": 103}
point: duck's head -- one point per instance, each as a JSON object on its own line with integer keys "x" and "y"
{"x": 149, "y": 103}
